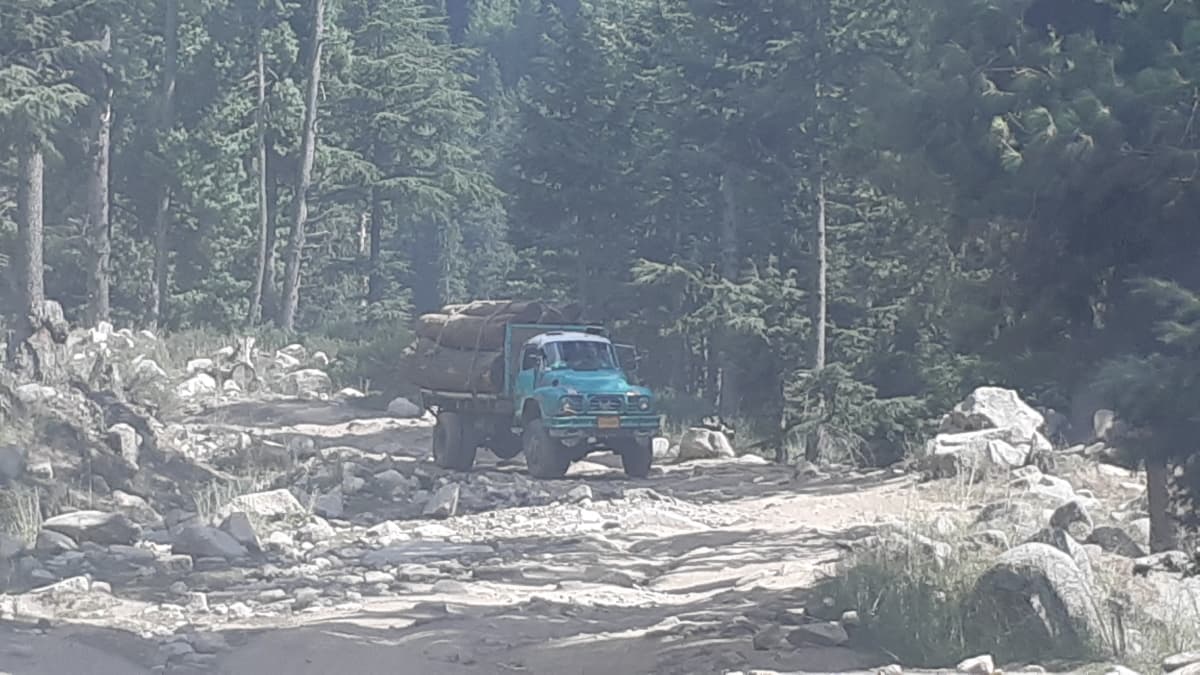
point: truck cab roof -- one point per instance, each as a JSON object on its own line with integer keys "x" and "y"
{"x": 565, "y": 336}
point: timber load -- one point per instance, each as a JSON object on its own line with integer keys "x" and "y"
{"x": 461, "y": 348}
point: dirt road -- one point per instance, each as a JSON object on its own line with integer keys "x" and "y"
{"x": 592, "y": 574}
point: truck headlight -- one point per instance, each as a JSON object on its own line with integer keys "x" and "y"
{"x": 641, "y": 403}
{"x": 571, "y": 404}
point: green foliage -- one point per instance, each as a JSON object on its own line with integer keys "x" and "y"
{"x": 991, "y": 187}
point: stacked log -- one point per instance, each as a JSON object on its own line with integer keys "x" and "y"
{"x": 461, "y": 348}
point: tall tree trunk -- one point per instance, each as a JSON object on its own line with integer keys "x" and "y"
{"x": 260, "y": 124}
{"x": 36, "y": 347}
{"x": 270, "y": 293}
{"x": 822, "y": 271}
{"x": 96, "y": 227}
{"x": 729, "y": 397}
{"x": 162, "y": 203}
{"x": 1162, "y": 531}
{"x": 31, "y": 168}
{"x": 28, "y": 260}
{"x": 375, "y": 248}
{"x": 295, "y": 251}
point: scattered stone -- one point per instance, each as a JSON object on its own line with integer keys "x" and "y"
{"x": 201, "y": 365}
{"x": 1178, "y": 661}
{"x": 198, "y": 385}
{"x": 828, "y": 634}
{"x": 208, "y": 643}
{"x": 663, "y": 450}
{"x": 306, "y": 381}
{"x": 414, "y": 551}
{"x": 443, "y": 503}
{"x": 98, "y": 527}
{"x": 238, "y": 526}
{"x": 50, "y": 542}
{"x": 1116, "y": 540}
{"x": 270, "y": 505}
{"x": 771, "y": 638}
{"x": 404, "y": 408}
{"x": 200, "y": 541}
{"x": 1074, "y": 518}
{"x": 137, "y": 508}
{"x": 329, "y": 505}
{"x": 979, "y": 665}
{"x": 1166, "y": 561}
{"x": 579, "y": 493}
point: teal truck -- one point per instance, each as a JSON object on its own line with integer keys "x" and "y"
{"x": 564, "y": 391}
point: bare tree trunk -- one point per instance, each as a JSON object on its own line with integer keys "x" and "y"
{"x": 162, "y": 204}
{"x": 28, "y": 262}
{"x": 96, "y": 226}
{"x": 270, "y": 293}
{"x": 31, "y": 168}
{"x": 822, "y": 271}
{"x": 375, "y": 244}
{"x": 260, "y": 123}
{"x": 1162, "y": 532}
{"x": 291, "y": 278}
{"x": 729, "y": 397}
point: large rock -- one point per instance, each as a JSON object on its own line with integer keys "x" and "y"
{"x": 238, "y": 526}
{"x": 993, "y": 408}
{"x": 126, "y": 442}
{"x": 306, "y": 382}
{"x": 1034, "y": 600}
{"x": 98, "y": 527}
{"x": 983, "y": 451}
{"x": 701, "y": 443}
{"x": 443, "y": 503}
{"x": 200, "y": 384}
{"x": 200, "y": 541}
{"x": 1117, "y": 541}
{"x": 270, "y": 505}
{"x": 404, "y": 408}
{"x": 1063, "y": 541}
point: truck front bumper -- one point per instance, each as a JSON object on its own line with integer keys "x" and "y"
{"x": 603, "y": 426}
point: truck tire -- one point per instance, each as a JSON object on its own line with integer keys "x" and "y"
{"x": 454, "y": 442}
{"x": 543, "y": 454}
{"x": 636, "y": 457}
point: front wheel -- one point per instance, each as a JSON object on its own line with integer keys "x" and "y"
{"x": 636, "y": 457}
{"x": 543, "y": 454}
{"x": 454, "y": 443}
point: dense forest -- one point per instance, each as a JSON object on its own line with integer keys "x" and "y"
{"x": 826, "y": 218}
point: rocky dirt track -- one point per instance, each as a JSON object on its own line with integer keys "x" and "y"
{"x": 592, "y": 574}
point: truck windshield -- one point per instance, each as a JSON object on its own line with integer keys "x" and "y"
{"x": 580, "y": 355}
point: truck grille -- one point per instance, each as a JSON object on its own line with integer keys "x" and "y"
{"x": 606, "y": 403}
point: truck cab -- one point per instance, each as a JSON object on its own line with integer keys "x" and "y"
{"x": 573, "y": 397}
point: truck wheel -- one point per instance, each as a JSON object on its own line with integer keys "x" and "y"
{"x": 636, "y": 457}
{"x": 454, "y": 442}
{"x": 543, "y": 454}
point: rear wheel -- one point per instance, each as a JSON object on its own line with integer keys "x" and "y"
{"x": 544, "y": 455}
{"x": 636, "y": 457}
{"x": 454, "y": 442}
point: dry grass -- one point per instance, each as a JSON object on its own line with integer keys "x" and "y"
{"x": 915, "y": 605}
{"x": 20, "y": 512}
